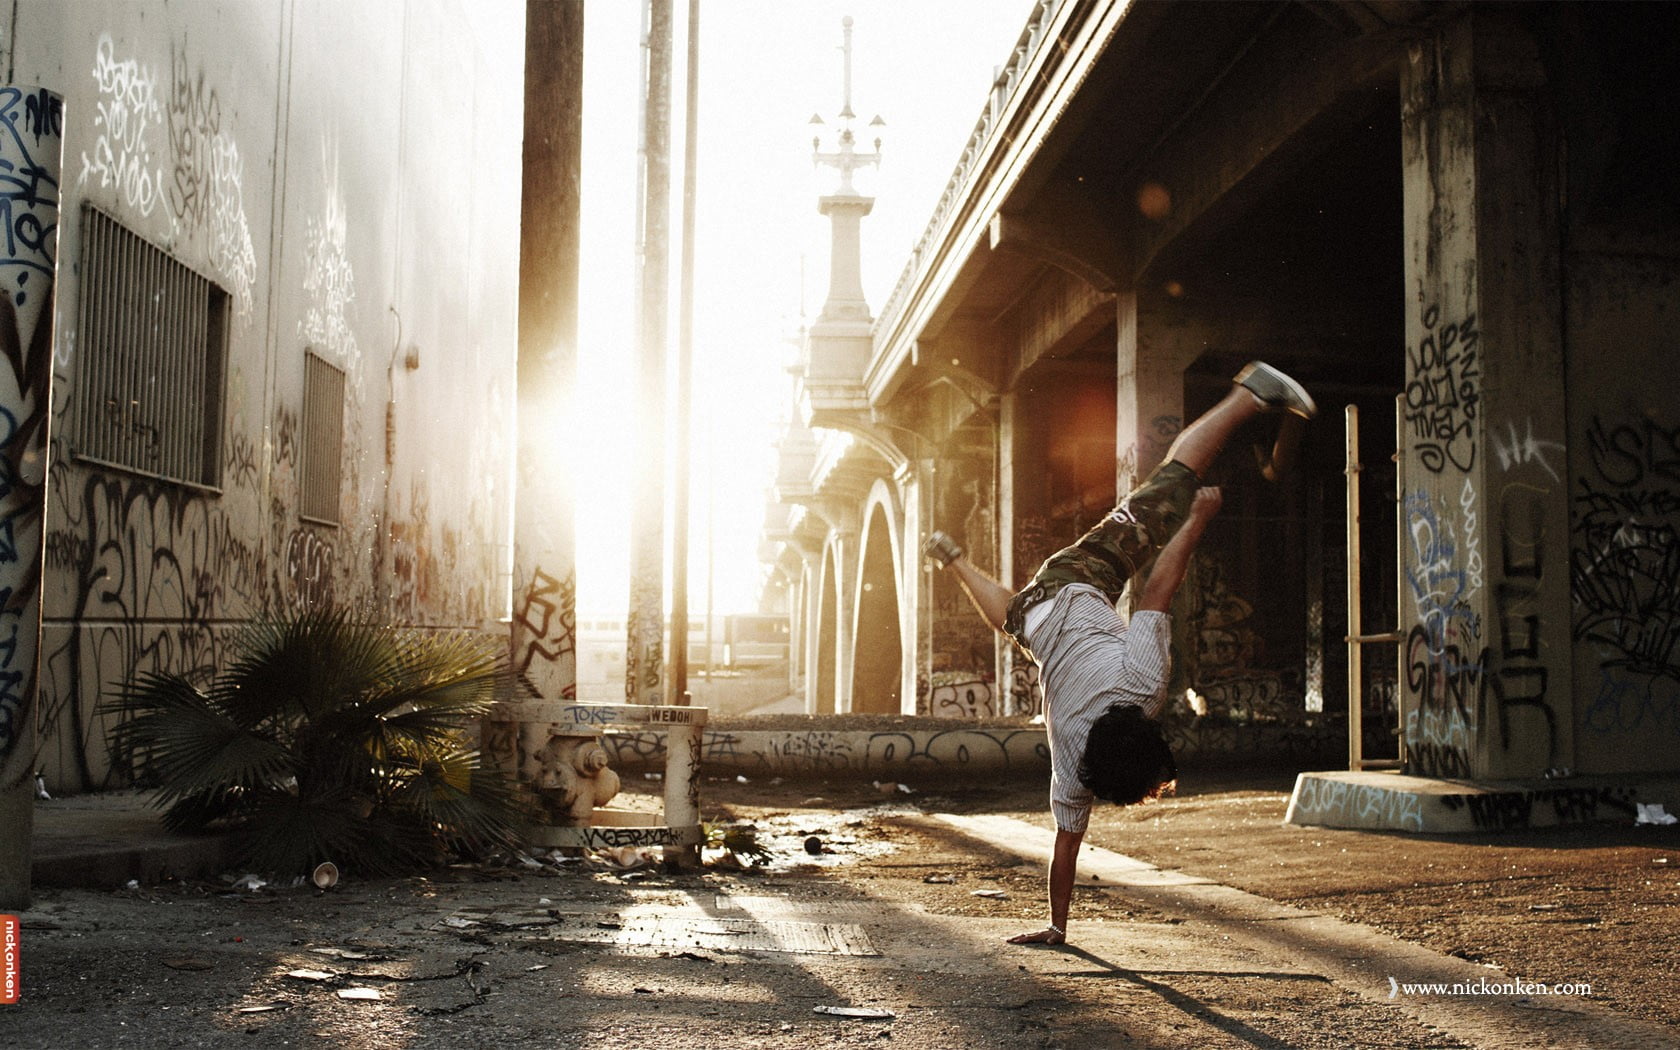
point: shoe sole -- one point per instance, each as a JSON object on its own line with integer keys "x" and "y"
{"x": 1289, "y": 384}
{"x": 1300, "y": 393}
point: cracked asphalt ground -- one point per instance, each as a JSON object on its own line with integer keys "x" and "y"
{"x": 895, "y": 912}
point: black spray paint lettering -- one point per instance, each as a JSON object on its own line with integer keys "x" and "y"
{"x": 1443, "y": 392}
{"x": 1521, "y": 680}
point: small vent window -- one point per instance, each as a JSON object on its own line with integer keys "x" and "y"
{"x": 323, "y": 439}
{"x": 153, "y": 338}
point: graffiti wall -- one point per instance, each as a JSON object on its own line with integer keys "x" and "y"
{"x": 1624, "y": 557}
{"x": 220, "y": 134}
{"x": 31, "y": 146}
{"x": 908, "y": 753}
{"x": 962, "y": 682}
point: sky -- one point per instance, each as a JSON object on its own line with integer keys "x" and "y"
{"x": 761, "y": 248}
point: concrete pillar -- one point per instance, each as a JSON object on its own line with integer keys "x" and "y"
{"x": 644, "y": 674}
{"x": 1018, "y": 683}
{"x": 31, "y": 154}
{"x": 917, "y": 631}
{"x": 1152, "y": 353}
{"x": 818, "y": 582}
{"x": 845, "y": 544}
{"x": 1487, "y": 654}
{"x": 544, "y": 629}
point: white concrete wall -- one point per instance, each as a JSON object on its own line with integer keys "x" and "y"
{"x": 349, "y": 172}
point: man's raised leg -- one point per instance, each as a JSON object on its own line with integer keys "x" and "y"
{"x": 1258, "y": 388}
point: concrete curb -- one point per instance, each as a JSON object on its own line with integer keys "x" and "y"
{"x": 1381, "y": 801}
{"x": 103, "y": 841}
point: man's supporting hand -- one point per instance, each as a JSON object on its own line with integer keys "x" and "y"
{"x": 1050, "y": 936}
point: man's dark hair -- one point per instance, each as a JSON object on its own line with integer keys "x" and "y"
{"x": 1126, "y": 758}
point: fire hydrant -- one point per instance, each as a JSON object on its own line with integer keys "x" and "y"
{"x": 572, "y": 778}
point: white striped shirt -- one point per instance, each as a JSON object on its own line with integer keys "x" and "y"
{"x": 1091, "y": 659}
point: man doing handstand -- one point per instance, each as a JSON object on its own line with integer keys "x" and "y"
{"x": 1105, "y": 681}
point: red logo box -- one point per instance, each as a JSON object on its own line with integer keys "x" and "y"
{"x": 11, "y": 973}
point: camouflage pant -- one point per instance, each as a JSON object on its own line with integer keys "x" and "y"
{"x": 1126, "y": 540}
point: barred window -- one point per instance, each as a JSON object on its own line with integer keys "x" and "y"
{"x": 153, "y": 357}
{"x": 323, "y": 439}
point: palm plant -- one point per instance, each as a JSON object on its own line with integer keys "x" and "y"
{"x": 327, "y": 739}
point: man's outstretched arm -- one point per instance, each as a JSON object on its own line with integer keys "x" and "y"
{"x": 1064, "y": 861}
{"x": 1174, "y": 559}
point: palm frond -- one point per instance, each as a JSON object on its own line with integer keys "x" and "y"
{"x": 181, "y": 737}
{"x": 466, "y": 804}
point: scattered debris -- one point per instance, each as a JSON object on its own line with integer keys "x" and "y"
{"x": 814, "y": 846}
{"x": 41, "y": 787}
{"x": 249, "y": 883}
{"x": 943, "y": 880}
{"x": 628, "y": 858}
{"x": 997, "y": 895}
{"x": 862, "y": 1013}
{"x": 352, "y": 954}
{"x": 1654, "y": 813}
{"x": 269, "y": 1008}
{"x": 367, "y": 994}
{"x": 738, "y": 841}
{"x": 189, "y": 962}
{"x": 311, "y": 975}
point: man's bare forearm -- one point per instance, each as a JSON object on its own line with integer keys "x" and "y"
{"x": 1174, "y": 560}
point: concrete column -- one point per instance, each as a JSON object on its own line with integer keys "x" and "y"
{"x": 544, "y": 628}
{"x": 1152, "y": 353}
{"x": 31, "y": 153}
{"x": 845, "y": 542}
{"x": 815, "y": 583}
{"x": 644, "y": 675}
{"x": 1017, "y": 676}
{"x": 1487, "y": 654}
{"x": 914, "y": 610}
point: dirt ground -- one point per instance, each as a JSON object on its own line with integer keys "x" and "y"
{"x": 476, "y": 956}
{"x": 1598, "y": 904}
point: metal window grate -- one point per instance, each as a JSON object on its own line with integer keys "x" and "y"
{"x": 323, "y": 439}
{"x": 153, "y": 338}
